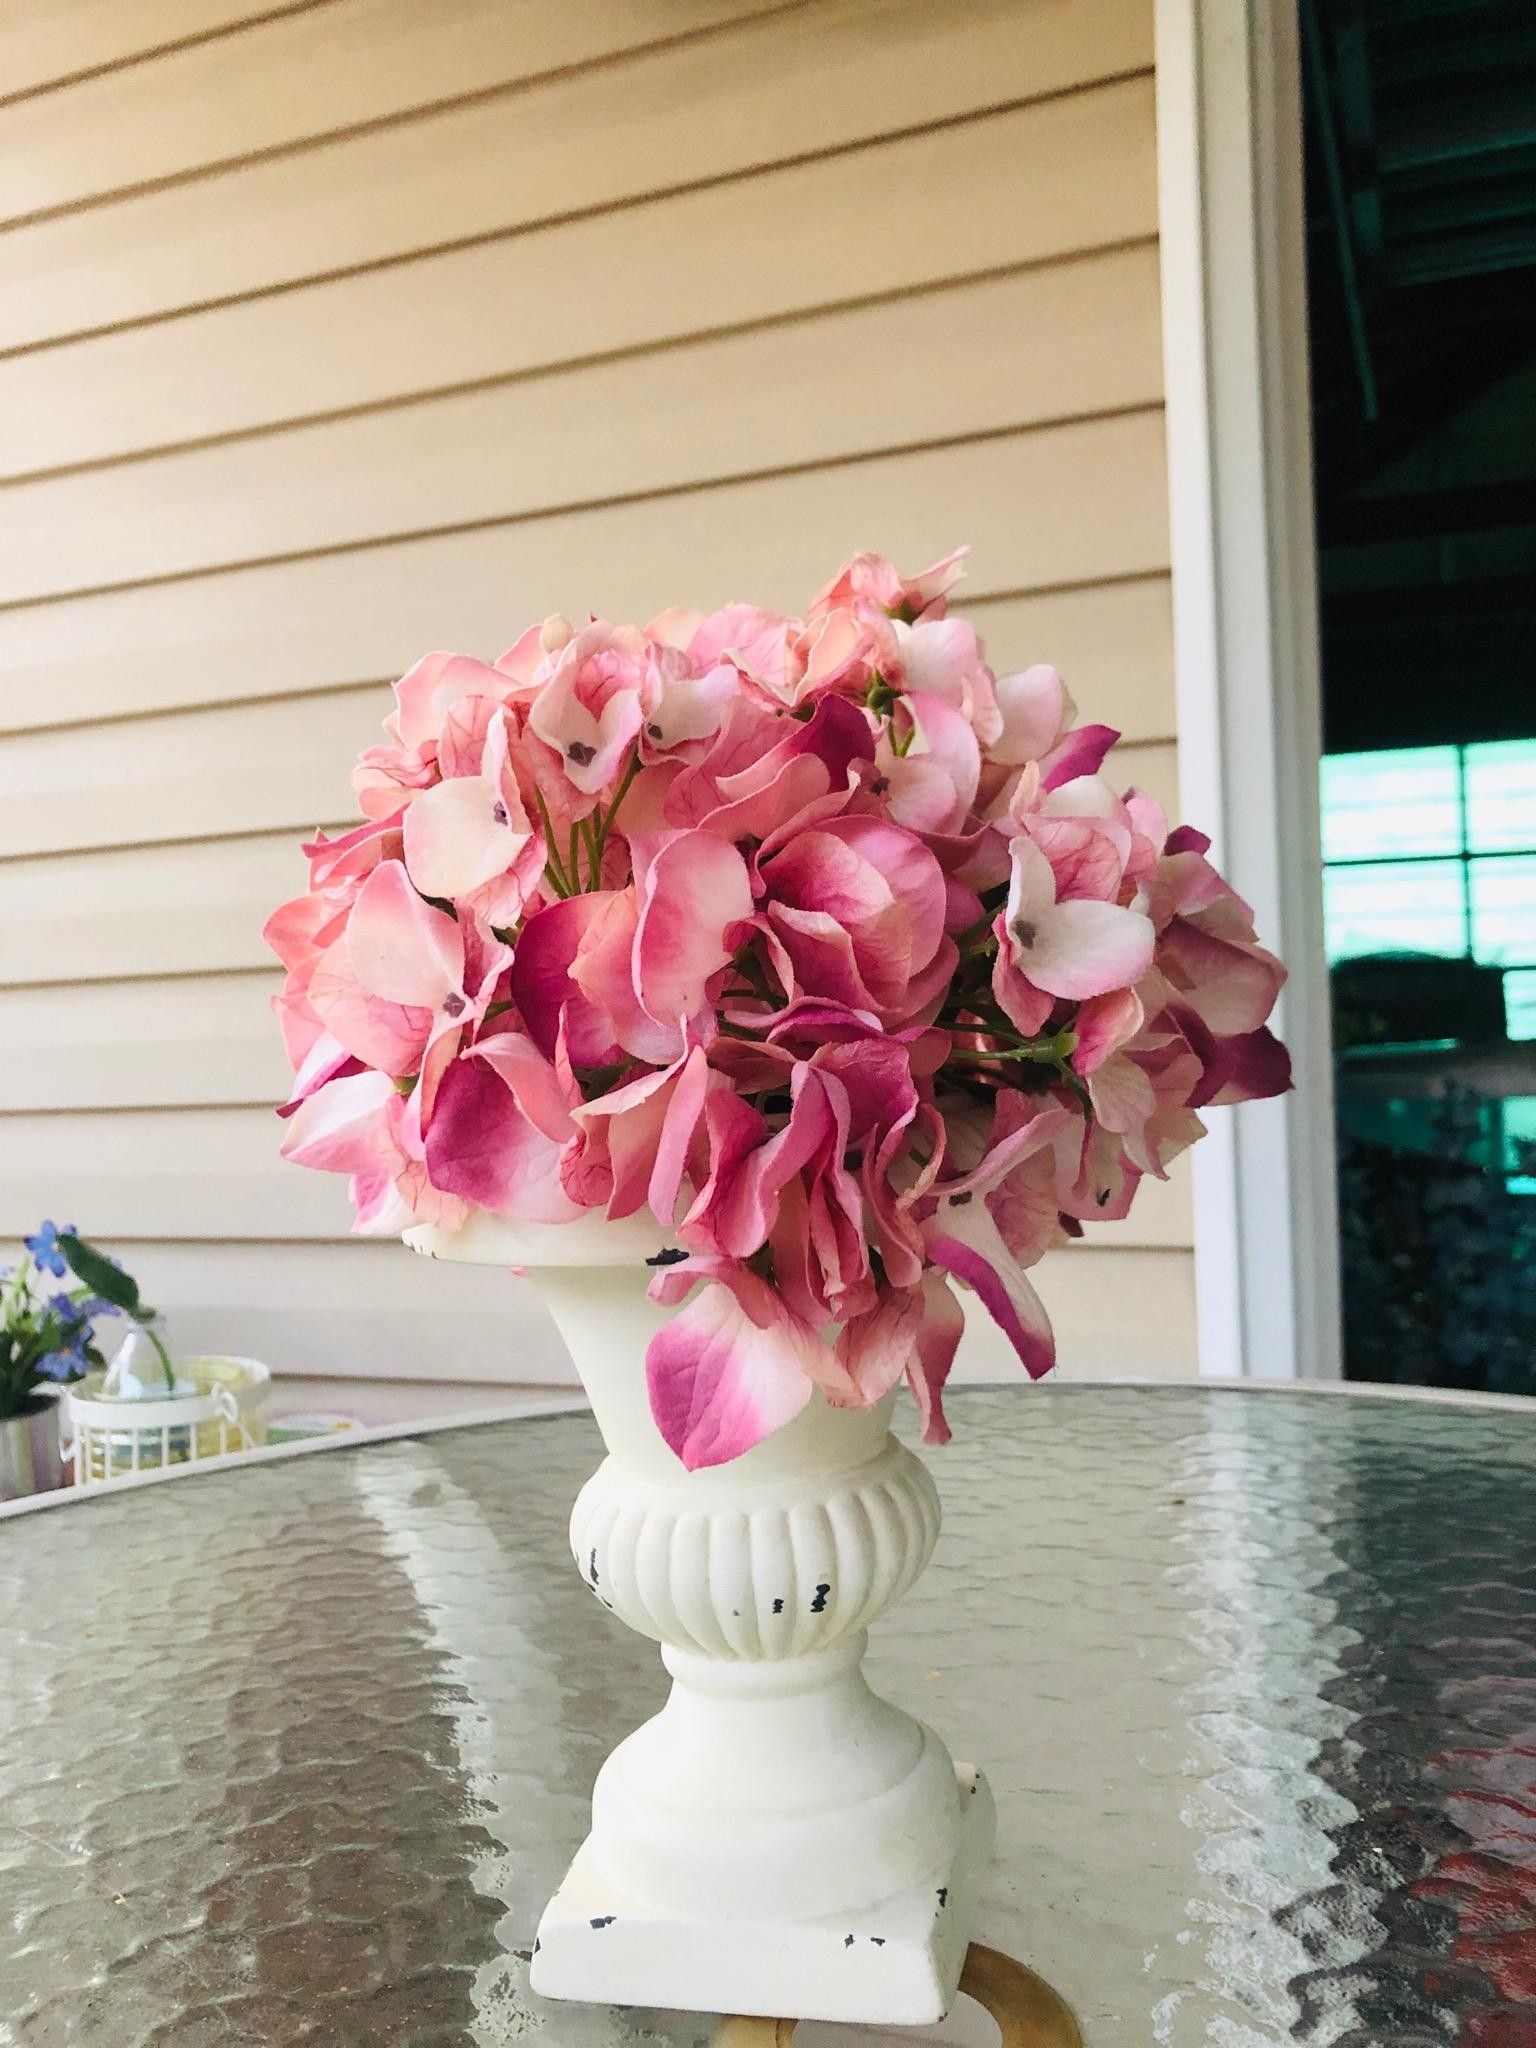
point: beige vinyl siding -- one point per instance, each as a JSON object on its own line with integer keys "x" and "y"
{"x": 340, "y": 332}
{"x": 43, "y": 47}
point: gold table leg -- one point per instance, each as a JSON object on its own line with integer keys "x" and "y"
{"x": 1028, "y": 2012}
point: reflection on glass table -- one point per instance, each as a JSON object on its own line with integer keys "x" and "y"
{"x": 1253, "y": 1672}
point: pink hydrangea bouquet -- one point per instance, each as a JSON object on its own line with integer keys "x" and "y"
{"x": 834, "y": 950}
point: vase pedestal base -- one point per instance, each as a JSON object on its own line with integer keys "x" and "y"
{"x": 897, "y": 1962}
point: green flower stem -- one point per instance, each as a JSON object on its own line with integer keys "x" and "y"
{"x": 594, "y": 854}
{"x": 165, "y": 1358}
{"x": 605, "y": 825}
{"x": 558, "y": 879}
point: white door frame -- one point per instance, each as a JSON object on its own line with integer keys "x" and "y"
{"x": 1245, "y": 631}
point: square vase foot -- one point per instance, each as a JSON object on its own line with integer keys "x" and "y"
{"x": 897, "y": 1963}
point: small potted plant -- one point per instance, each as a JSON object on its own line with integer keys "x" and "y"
{"x": 46, "y": 1341}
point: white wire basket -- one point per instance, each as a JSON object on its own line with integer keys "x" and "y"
{"x": 111, "y": 1439}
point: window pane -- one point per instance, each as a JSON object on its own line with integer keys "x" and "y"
{"x": 1504, "y": 910}
{"x": 1501, "y": 797}
{"x": 1407, "y": 801}
{"x": 1518, "y": 1119}
{"x": 1395, "y": 907}
{"x": 1520, "y": 1003}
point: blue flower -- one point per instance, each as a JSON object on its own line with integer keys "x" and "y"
{"x": 44, "y": 1248}
{"x": 62, "y": 1365}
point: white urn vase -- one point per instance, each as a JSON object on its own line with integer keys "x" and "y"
{"x": 778, "y": 1839}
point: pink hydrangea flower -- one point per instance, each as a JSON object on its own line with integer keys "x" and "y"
{"x": 850, "y": 962}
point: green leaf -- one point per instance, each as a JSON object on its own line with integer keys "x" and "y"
{"x": 100, "y": 1275}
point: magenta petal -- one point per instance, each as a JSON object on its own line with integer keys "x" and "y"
{"x": 1081, "y": 753}
{"x": 1187, "y": 839}
{"x": 480, "y": 1147}
{"x": 544, "y": 991}
{"x": 1260, "y": 1066}
{"x": 720, "y": 1382}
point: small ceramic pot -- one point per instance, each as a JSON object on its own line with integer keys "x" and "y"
{"x": 29, "y": 1449}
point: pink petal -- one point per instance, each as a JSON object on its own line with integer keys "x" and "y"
{"x": 543, "y": 987}
{"x": 696, "y": 889}
{"x": 1104, "y": 1024}
{"x": 684, "y": 1109}
{"x": 325, "y": 1059}
{"x": 720, "y": 1381}
{"x": 1034, "y": 707}
{"x": 692, "y": 707}
{"x": 381, "y": 1211}
{"x": 1031, "y": 884}
{"x": 1121, "y": 1094}
{"x": 399, "y": 947}
{"x": 425, "y": 692}
{"x": 604, "y": 971}
{"x": 938, "y": 1338}
{"x": 344, "y": 1128}
{"x": 481, "y": 1148}
{"x": 295, "y": 930}
{"x": 461, "y": 835}
{"x": 1084, "y": 949}
{"x": 1084, "y": 860}
{"x": 1231, "y": 983}
{"x": 965, "y": 1241}
{"x": 389, "y": 1036}
{"x": 535, "y": 1086}
{"x": 877, "y": 1348}
{"x": 1037, "y": 1128}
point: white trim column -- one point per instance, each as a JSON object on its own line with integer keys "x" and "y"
{"x": 1245, "y": 629}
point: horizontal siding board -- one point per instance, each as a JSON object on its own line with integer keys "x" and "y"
{"x": 1076, "y": 339}
{"x": 357, "y": 1310}
{"x": 1060, "y": 506}
{"x": 157, "y": 910}
{"x": 792, "y": 240}
{"x": 366, "y": 1310}
{"x": 189, "y": 775}
{"x": 313, "y": 73}
{"x": 164, "y": 1173}
{"x": 41, "y": 45}
{"x": 774, "y": 90}
{"x": 138, "y": 1044}
{"x": 217, "y": 1173}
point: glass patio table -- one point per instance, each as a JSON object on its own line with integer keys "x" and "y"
{"x": 296, "y": 1752}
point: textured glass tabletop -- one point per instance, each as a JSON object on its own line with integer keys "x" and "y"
{"x": 296, "y": 1753}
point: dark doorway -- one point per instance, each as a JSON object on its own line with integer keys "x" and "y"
{"x": 1421, "y": 202}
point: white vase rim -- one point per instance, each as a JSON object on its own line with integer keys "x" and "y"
{"x": 595, "y": 1239}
